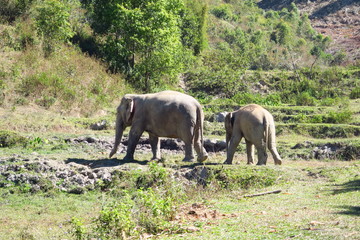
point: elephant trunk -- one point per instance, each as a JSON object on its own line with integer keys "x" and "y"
{"x": 118, "y": 134}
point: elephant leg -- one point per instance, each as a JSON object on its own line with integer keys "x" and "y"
{"x": 155, "y": 146}
{"x": 234, "y": 142}
{"x": 249, "y": 152}
{"x": 199, "y": 148}
{"x": 134, "y": 137}
{"x": 262, "y": 155}
{"x": 276, "y": 156}
{"x": 189, "y": 154}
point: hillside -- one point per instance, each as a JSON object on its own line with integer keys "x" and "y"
{"x": 339, "y": 19}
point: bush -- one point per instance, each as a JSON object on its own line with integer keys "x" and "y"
{"x": 11, "y": 9}
{"x": 116, "y": 220}
{"x": 247, "y": 98}
{"x": 339, "y": 117}
{"x": 305, "y": 99}
{"x": 9, "y": 139}
{"x": 247, "y": 178}
{"x": 355, "y": 93}
{"x": 224, "y": 11}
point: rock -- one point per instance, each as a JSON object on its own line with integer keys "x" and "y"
{"x": 99, "y": 126}
{"x": 220, "y": 146}
{"x": 91, "y": 175}
{"x": 220, "y": 117}
{"x": 90, "y": 140}
{"x": 77, "y": 190}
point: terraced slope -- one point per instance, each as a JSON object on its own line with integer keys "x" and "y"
{"x": 339, "y": 19}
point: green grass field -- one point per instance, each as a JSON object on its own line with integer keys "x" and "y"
{"x": 319, "y": 198}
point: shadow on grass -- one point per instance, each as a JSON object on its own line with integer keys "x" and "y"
{"x": 350, "y": 210}
{"x": 99, "y": 163}
{"x": 113, "y": 162}
{"x": 196, "y": 164}
{"x": 350, "y": 186}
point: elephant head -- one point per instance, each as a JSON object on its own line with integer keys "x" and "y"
{"x": 123, "y": 119}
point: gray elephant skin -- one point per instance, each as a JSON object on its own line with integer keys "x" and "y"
{"x": 256, "y": 125}
{"x": 164, "y": 114}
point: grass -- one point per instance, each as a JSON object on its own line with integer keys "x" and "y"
{"x": 308, "y": 207}
{"x": 40, "y": 216}
{"x": 316, "y": 202}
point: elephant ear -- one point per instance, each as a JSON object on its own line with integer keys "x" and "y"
{"x": 129, "y": 109}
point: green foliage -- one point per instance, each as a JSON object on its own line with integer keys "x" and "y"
{"x": 224, "y": 11}
{"x": 281, "y": 34}
{"x": 247, "y": 98}
{"x": 155, "y": 209}
{"x": 248, "y": 177}
{"x": 193, "y": 25}
{"x": 115, "y": 220}
{"x": 355, "y": 93}
{"x": 52, "y": 19}
{"x": 79, "y": 231}
{"x": 305, "y": 99}
{"x": 9, "y": 139}
{"x": 143, "y": 39}
{"x": 339, "y": 116}
{"x": 11, "y": 9}
{"x": 146, "y": 201}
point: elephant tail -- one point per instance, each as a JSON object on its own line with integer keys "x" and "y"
{"x": 267, "y": 132}
{"x": 270, "y": 139}
{"x": 199, "y": 125}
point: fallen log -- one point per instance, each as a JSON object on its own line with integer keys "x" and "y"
{"x": 261, "y": 194}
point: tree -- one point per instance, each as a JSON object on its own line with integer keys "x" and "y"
{"x": 52, "y": 19}
{"x": 143, "y": 38}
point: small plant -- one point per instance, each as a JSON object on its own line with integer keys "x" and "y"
{"x": 79, "y": 231}
{"x": 115, "y": 220}
{"x": 36, "y": 143}
{"x": 155, "y": 209}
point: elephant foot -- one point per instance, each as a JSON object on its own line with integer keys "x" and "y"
{"x": 278, "y": 162}
{"x": 128, "y": 158}
{"x": 112, "y": 153}
{"x": 202, "y": 159}
{"x": 259, "y": 164}
{"x": 227, "y": 162}
{"x": 250, "y": 163}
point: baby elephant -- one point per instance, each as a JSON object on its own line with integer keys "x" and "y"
{"x": 256, "y": 125}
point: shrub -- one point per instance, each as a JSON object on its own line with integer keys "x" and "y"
{"x": 247, "y": 98}
{"x": 9, "y": 139}
{"x": 115, "y": 220}
{"x": 355, "y": 93}
{"x": 224, "y": 11}
{"x": 305, "y": 99}
{"x": 339, "y": 117}
{"x": 11, "y": 9}
{"x": 246, "y": 178}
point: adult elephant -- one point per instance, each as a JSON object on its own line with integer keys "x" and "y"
{"x": 257, "y": 126}
{"x": 164, "y": 114}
